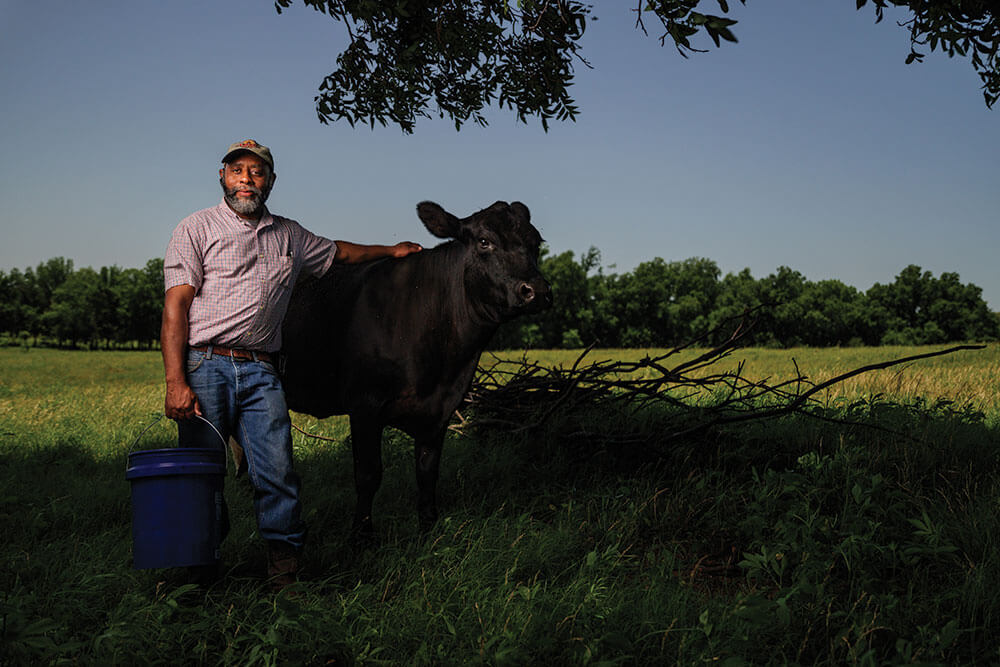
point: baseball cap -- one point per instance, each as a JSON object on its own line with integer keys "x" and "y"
{"x": 250, "y": 146}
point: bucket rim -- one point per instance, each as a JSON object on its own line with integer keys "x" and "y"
{"x": 165, "y": 450}
{"x": 175, "y": 462}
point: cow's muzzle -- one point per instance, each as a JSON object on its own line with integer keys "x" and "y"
{"x": 537, "y": 296}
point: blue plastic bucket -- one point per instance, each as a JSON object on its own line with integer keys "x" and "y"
{"x": 176, "y": 506}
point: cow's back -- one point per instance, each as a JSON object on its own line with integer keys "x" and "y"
{"x": 389, "y": 339}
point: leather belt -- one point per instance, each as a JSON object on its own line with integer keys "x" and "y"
{"x": 244, "y": 355}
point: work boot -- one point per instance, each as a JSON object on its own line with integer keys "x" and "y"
{"x": 282, "y": 565}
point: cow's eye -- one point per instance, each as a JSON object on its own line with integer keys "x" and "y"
{"x": 484, "y": 244}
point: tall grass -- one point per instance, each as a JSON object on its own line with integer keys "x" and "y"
{"x": 792, "y": 541}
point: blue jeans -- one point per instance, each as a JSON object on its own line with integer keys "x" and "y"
{"x": 245, "y": 400}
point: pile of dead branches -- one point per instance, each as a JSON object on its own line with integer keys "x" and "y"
{"x": 526, "y": 396}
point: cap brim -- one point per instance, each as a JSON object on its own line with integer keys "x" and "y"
{"x": 236, "y": 151}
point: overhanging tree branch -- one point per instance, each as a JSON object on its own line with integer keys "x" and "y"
{"x": 410, "y": 58}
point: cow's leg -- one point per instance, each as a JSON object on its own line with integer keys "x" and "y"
{"x": 428, "y": 454}
{"x": 366, "y": 442}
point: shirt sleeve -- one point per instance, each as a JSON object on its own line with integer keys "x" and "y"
{"x": 182, "y": 264}
{"x": 317, "y": 253}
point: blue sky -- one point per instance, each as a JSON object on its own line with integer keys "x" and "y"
{"x": 809, "y": 144}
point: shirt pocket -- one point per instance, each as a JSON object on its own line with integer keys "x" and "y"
{"x": 284, "y": 270}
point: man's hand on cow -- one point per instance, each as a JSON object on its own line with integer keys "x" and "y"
{"x": 181, "y": 402}
{"x": 404, "y": 248}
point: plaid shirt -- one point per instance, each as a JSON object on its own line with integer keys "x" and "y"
{"x": 242, "y": 275}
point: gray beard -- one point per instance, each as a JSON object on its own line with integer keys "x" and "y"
{"x": 250, "y": 208}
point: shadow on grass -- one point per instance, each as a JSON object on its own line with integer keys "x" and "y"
{"x": 62, "y": 491}
{"x": 820, "y": 540}
{"x": 876, "y": 516}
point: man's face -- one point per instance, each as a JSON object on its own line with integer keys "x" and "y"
{"x": 246, "y": 181}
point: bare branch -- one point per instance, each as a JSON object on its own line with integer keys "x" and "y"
{"x": 524, "y": 397}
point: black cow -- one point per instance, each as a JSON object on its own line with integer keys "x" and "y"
{"x": 396, "y": 342}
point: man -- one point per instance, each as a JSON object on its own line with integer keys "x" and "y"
{"x": 229, "y": 272}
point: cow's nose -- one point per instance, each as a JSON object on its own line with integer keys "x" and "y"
{"x": 527, "y": 292}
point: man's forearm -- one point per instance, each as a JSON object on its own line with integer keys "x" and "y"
{"x": 180, "y": 401}
{"x": 173, "y": 343}
{"x": 352, "y": 253}
{"x": 174, "y": 331}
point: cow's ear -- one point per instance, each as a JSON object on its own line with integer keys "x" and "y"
{"x": 438, "y": 221}
{"x": 521, "y": 211}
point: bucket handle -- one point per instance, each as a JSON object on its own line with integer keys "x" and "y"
{"x": 160, "y": 416}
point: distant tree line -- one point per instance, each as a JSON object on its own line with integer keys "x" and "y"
{"x": 662, "y": 303}
{"x": 657, "y": 304}
{"x": 54, "y": 304}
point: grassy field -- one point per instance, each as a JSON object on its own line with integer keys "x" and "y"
{"x": 793, "y": 541}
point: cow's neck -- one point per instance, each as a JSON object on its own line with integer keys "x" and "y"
{"x": 472, "y": 324}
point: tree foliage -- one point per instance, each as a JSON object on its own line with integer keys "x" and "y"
{"x": 967, "y": 28}
{"x": 657, "y": 304}
{"x": 55, "y": 304}
{"x": 410, "y": 58}
{"x": 663, "y": 304}
{"x": 459, "y": 55}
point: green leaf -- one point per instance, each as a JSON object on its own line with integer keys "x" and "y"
{"x": 948, "y": 633}
{"x": 727, "y": 35}
{"x": 714, "y": 34}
